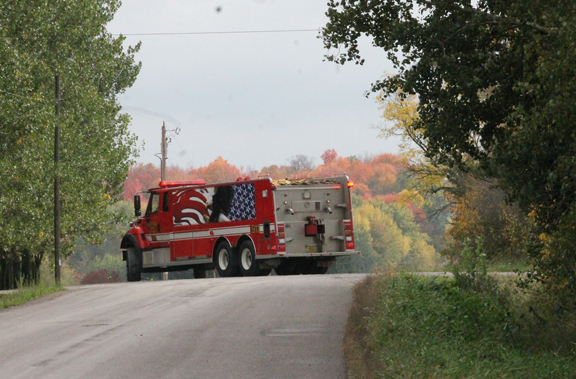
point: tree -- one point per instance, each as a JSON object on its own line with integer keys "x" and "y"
{"x": 329, "y": 156}
{"x": 496, "y": 88}
{"x": 140, "y": 177}
{"x": 491, "y": 81}
{"x": 217, "y": 172}
{"x": 301, "y": 164}
{"x": 41, "y": 39}
{"x": 275, "y": 172}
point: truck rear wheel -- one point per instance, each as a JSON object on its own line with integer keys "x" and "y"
{"x": 306, "y": 267}
{"x": 248, "y": 263}
{"x": 287, "y": 267}
{"x": 225, "y": 260}
{"x": 133, "y": 271}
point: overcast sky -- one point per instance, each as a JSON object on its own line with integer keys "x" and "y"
{"x": 254, "y": 99}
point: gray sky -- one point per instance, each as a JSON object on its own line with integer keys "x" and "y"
{"x": 254, "y": 99}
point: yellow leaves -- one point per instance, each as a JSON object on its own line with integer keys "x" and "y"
{"x": 532, "y": 214}
{"x": 543, "y": 237}
{"x": 106, "y": 196}
{"x": 401, "y": 112}
{"x": 19, "y": 142}
{"x": 412, "y": 197}
{"x": 41, "y": 235}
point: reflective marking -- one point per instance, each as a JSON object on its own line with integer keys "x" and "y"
{"x": 235, "y": 230}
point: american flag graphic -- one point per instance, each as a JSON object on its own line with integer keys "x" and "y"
{"x": 243, "y": 205}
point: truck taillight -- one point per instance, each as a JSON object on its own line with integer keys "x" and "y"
{"x": 350, "y": 184}
{"x": 281, "y": 237}
{"x": 348, "y": 235}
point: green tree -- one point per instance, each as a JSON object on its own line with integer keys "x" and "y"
{"x": 496, "y": 87}
{"x": 41, "y": 39}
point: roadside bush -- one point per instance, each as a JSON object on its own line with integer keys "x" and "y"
{"x": 430, "y": 327}
{"x": 102, "y": 276}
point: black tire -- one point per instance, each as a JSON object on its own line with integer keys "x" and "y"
{"x": 287, "y": 267}
{"x": 264, "y": 271}
{"x": 247, "y": 259}
{"x": 225, "y": 260}
{"x": 199, "y": 273}
{"x": 306, "y": 267}
{"x": 133, "y": 265}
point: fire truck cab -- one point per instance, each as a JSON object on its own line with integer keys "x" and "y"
{"x": 247, "y": 227}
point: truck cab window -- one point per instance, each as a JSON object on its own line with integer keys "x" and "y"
{"x": 153, "y": 204}
{"x": 165, "y": 203}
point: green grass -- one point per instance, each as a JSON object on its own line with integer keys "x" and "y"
{"x": 507, "y": 265}
{"x": 421, "y": 327}
{"x": 26, "y": 294}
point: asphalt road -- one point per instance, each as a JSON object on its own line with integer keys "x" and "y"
{"x": 263, "y": 327}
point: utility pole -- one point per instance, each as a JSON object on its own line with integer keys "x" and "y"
{"x": 57, "y": 186}
{"x": 164, "y": 150}
{"x": 164, "y": 153}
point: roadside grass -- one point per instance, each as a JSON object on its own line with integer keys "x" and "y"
{"x": 507, "y": 265}
{"x": 409, "y": 326}
{"x": 26, "y": 294}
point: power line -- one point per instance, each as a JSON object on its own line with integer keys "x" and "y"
{"x": 190, "y": 160}
{"x": 226, "y": 32}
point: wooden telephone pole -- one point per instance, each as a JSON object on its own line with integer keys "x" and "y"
{"x": 57, "y": 186}
{"x": 164, "y": 150}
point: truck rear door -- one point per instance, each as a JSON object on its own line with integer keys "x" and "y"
{"x": 313, "y": 217}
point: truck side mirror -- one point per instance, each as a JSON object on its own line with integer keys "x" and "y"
{"x": 137, "y": 211}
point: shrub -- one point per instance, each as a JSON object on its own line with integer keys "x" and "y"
{"x": 102, "y": 276}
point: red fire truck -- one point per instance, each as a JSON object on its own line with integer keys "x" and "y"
{"x": 247, "y": 227}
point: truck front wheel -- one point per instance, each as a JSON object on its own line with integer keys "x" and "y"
{"x": 225, "y": 260}
{"x": 133, "y": 271}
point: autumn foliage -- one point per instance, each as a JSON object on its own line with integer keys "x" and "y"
{"x": 372, "y": 176}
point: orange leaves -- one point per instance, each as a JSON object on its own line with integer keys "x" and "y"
{"x": 140, "y": 177}
{"x": 373, "y": 176}
{"x": 144, "y": 176}
{"x": 329, "y": 156}
{"x": 217, "y": 172}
